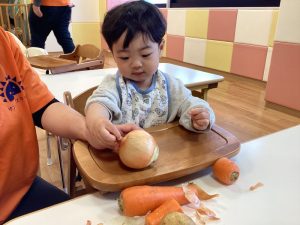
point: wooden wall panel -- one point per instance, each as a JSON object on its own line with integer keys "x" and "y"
{"x": 176, "y": 22}
{"x": 175, "y": 47}
{"x": 87, "y": 33}
{"x": 249, "y": 60}
{"x": 194, "y": 51}
{"x": 288, "y": 29}
{"x": 221, "y": 25}
{"x": 283, "y": 85}
{"x": 218, "y": 55}
{"x": 253, "y": 27}
{"x": 268, "y": 64}
{"x": 196, "y": 23}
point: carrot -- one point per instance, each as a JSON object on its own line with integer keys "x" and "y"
{"x": 225, "y": 171}
{"x": 138, "y": 200}
{"x": 156, "y": 216}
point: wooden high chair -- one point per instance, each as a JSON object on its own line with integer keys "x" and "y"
{"x": 181, "y": 152}
{"x": 84, "y": 57}
{"x": 77, "y": 103}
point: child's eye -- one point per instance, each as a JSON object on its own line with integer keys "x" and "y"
{"x": 146, "y": 55}
{"x": 124, "y": 58}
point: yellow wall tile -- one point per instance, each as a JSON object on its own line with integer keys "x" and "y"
{"x": 86, "y": 33}
{"x": 196, "y": 23}
{"x": 273, "y": 27}
{"x": 164, "y": 51}
{"x": 218, "y": 55}
{"x": 102, "y": 10}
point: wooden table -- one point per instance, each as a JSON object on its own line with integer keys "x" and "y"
{"x": 272, "y": 160}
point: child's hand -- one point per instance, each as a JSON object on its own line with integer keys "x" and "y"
{"x": 104, "y": 134}
{"x": 124, "y": 129}
{"x": 200, "y": 118}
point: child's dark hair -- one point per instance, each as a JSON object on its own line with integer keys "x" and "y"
{"x": 134, "y": 17}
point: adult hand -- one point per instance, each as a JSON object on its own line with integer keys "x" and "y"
{"x": 103, "y": 134}
{"x": 200, "y": 118}
{"x": 37, "y": 11}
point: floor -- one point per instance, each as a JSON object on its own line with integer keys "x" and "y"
{"x": 239, "y": 106}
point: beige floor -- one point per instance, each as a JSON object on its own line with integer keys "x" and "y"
{"x": 239, "y": 106}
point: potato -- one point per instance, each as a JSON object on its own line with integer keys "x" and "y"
{"x": 176, "y": 218}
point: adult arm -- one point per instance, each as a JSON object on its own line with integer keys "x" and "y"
{"x": 64, "y": 121}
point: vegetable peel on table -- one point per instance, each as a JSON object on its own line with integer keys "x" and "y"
{"x": 255, "y": 186}
{"x": 139, "y": 200}
{"x": 203, "y": 210}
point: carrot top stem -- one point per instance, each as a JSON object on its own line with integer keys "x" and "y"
{"x": 234, "y": 176}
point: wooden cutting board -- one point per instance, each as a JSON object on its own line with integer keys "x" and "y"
{"x": 181, "y": 153}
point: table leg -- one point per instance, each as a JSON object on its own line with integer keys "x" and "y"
{"x": 200, "y": 93}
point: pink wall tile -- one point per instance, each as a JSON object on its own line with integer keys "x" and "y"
{"x": 221, "y": 25}
{"x": 283, "y": 85}
{"x": 175, "y": 47}
{"x": 164, "y": 11}
{"x": 112, "y": 3}
{"x": 249, "y": 60}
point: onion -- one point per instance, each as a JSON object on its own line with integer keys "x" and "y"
{"x": 138, "y": 149}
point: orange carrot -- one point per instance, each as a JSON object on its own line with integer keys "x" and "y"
{"x": 156, "y": 216}
{"x": 138, "y": 200}
{"x": 226, "y": 171}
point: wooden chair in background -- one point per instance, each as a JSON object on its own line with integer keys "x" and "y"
{"x": 84, "y": 57}
{"x": 14, "y": 18}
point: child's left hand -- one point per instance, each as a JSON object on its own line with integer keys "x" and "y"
{"x": 200, "y": 118}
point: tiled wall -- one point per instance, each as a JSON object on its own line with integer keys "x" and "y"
{"x": 240, "y": 41}
{"x": 283, "y": 85}
{"x": 233, "y": 40}
{"x": 227, "y": 40}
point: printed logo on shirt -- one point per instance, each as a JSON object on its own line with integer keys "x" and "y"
{"x": 9, "y": 88}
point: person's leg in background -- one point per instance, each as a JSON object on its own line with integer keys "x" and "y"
{"x": 40, "y": 27}
{"x": 40, "y": 195}
{"x": 61, "y": 28}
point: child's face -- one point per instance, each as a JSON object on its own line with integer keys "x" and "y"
{"x": 139, "y": 61}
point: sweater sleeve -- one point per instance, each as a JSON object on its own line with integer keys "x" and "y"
{"x": 107, "y": 95}
{"x": 182, "y": 101}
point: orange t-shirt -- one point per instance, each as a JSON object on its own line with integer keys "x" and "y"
{"x": 55, "y": 2}
{"x": 21, "y": 94}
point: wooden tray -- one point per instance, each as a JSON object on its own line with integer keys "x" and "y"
{"x": 62, "y": 64}
{"x": 181, "y": 153}
{"x": 49, "y": 62}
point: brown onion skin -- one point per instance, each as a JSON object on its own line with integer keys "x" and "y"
{"x": 137, "y": 148}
